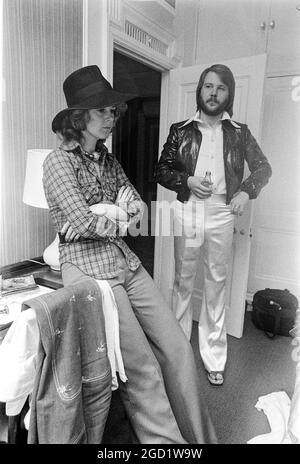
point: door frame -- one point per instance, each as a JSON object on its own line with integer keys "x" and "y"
{"x": 104, "y": 31}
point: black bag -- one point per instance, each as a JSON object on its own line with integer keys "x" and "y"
{"x": 274, "y": 311}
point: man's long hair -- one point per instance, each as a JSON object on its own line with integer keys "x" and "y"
{"x": 226, "y": 77}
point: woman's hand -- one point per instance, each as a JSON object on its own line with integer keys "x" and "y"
{"x": 68, "y": 233}
{"x": 239, "y": 202}
{"x": 124, "y": 197}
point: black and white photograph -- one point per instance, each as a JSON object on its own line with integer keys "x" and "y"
{"x": 149, "y": 226}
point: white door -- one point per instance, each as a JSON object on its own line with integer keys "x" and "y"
{"x": 179, "y": 103}
{"x": 275, "y": 253}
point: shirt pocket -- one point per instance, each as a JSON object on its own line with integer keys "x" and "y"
{"x": 109, "y": 189}
{"x": 89, "y": 186}
{"x": 92, "y": 192}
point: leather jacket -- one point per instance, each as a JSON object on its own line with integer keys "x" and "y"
{"x": 180, "y": 153}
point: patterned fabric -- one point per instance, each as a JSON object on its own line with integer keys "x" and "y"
{"x": 72, "y": 385}
{"x": 72, "y": 183}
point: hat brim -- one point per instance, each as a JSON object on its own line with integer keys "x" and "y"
{"x": 109, "y": 98}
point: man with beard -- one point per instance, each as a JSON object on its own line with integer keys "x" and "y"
{"x": 209, "y": 143}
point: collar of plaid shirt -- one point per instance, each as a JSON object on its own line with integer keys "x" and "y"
{"x": 75, "y": 147}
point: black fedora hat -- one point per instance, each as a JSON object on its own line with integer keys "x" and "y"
{"x": 86, "y": 88}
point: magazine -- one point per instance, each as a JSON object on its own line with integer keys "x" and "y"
{"x": 11, "y": 304}
{"x": 18, "y": 284}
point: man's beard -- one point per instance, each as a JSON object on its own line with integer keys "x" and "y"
{"x": 209, "y": 111}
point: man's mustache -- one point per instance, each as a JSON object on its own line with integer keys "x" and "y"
{"x": 214, "y": 100}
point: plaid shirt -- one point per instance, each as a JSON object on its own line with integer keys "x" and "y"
{"x": 73, "y": 182}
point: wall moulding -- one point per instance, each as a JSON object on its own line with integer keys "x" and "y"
{"x": 134, "y": 33}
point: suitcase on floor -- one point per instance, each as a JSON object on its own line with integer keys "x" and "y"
{"x": 274, "y": 311}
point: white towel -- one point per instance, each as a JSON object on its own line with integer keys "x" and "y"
{"x": 294, "y": 419}
{"x": 111, "y": 317}
{"x": 276, "y": 406}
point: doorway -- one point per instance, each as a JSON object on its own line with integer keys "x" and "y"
{"x": 136, "y": 140}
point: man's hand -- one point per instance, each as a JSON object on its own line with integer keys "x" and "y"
{"x": 201, "y": 191}
{"x": 239, "y": 202}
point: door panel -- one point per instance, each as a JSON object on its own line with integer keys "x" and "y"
{"x": 249, "y": 74}
{"x": 275, "y": 254}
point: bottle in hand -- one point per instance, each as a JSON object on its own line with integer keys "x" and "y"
{"x": 207, "y": 182}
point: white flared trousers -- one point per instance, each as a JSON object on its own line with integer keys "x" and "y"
{"x": 206, "y": 224}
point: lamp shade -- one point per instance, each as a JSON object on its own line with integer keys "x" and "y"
{"x": 33, "y": 194}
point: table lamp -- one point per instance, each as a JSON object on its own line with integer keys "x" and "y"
{"x": 34, "y": 195}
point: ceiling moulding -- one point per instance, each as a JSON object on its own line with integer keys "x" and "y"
{"x": 159, "y": 10}
{"x": 152, "y": 12}
{"x": 162, "y": 8}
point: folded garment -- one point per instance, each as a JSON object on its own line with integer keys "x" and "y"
{"x": 277, "y": 407}
{"x": 18, "y": 361}
{"x": 294, "y": 419}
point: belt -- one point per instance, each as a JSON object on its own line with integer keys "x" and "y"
{"x": 62, "y": 239}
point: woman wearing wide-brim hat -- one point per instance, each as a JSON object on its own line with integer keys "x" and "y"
{"x": 162, "y": 395}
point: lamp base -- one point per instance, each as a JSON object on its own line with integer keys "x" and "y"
{"x": 51, "y": 255}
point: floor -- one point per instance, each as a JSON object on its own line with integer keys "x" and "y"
{"x": 256, "y": 366}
